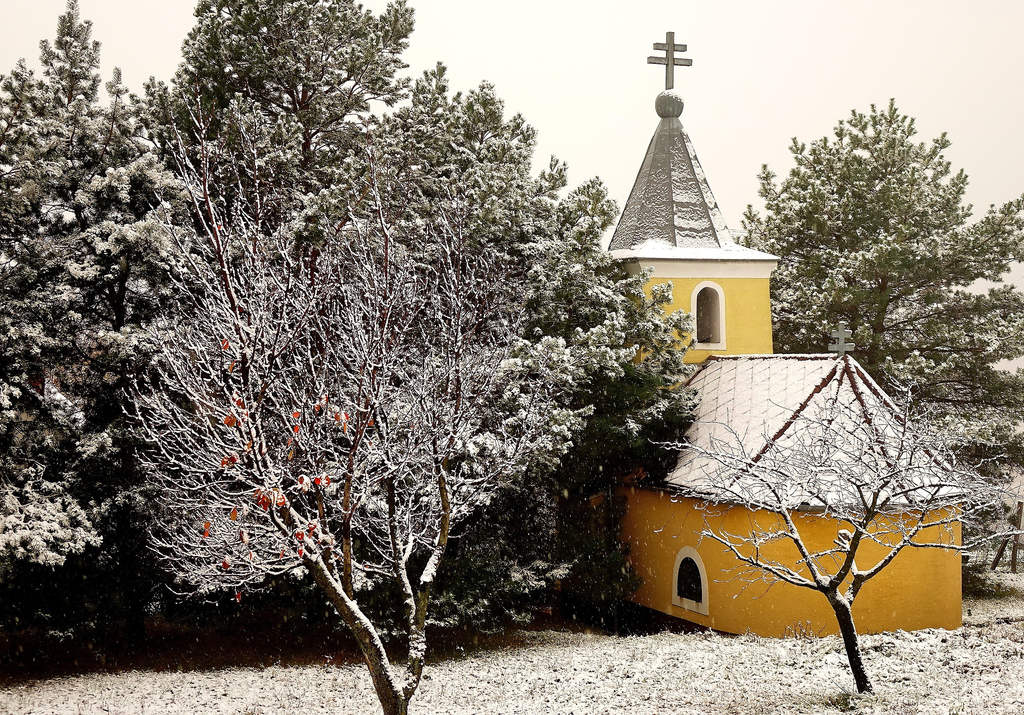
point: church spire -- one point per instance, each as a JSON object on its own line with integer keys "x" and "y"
{"x": 671, "y": 202}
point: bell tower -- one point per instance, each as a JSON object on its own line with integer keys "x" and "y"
{"x": 672, "y": 227}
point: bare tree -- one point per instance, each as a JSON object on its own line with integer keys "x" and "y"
{"x": 883, "y": 481}
{"x": 339, "y": 409}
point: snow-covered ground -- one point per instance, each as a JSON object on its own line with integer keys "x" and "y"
{"x": 978, "y": 669}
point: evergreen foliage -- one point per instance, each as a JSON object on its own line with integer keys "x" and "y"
{"x": 288, "y": 81}
{"x": 82, "y": 271}
{"x": 872, "y": 229}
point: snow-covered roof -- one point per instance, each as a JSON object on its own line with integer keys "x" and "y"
{"x": 657, "y": 249}
{"x": 757, "y": 403}
{"x": 671, "y": 204}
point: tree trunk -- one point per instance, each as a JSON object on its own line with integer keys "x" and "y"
{"x": 393, "y": 701}
{"x": 844, "y": 615}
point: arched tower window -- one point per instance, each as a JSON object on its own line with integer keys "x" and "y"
{"x": 691, "y": 581}
{"x": 708, "y": 310}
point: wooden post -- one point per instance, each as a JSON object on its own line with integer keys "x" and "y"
{"x": 1016, "y": 537}
{"x": 999, "y": 552}
{"x": 1019, "y": 525}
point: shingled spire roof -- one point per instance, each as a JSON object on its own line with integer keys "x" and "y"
{"x": 671, "y": 206}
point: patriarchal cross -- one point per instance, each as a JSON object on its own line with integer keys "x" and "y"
{"x": 841, "y": 335}
{"x": 670, "y": 60}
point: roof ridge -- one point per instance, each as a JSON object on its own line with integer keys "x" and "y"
{"x": 773, "y": 356}
{"x": 708, "y": 203}
{"x": 829, "y": 376}
{"x": 700, "y": 368}
{"x": 872, "y": 384}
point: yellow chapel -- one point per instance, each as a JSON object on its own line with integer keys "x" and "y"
{"x": 671, "y": 227}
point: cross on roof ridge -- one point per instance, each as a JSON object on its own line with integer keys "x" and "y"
{"x": 670, "y": 60}
{"x": 840, "y": 335}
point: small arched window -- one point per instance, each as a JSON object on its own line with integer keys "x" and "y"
{"x": 709, "y": 329}
{"x": 688, "y": 584}
{"x": 708, "y": 310}
{"x": 691, "y": 582}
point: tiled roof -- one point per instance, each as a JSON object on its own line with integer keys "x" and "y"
{"x": 755, "y": 401}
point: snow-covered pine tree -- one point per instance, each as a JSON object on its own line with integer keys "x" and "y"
{"x": 82, "y": 270}
{"x": 872, "y": 229}
{"x": 302, "y": 74}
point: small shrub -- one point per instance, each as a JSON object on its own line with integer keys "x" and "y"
{"x": 979, "y": 584}
{"x": 843, "y": 702}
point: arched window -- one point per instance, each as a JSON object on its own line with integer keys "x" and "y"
{"x": 691, "y": 581}
{"x": 688, "y": 581}
{"x": 708, "y": 309}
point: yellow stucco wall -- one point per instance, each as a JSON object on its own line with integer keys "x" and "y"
{"x": 748, "y": 318}
{"x": 919, "y": 589}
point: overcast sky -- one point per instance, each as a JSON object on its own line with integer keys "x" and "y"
{"x": 762, "y": 73}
